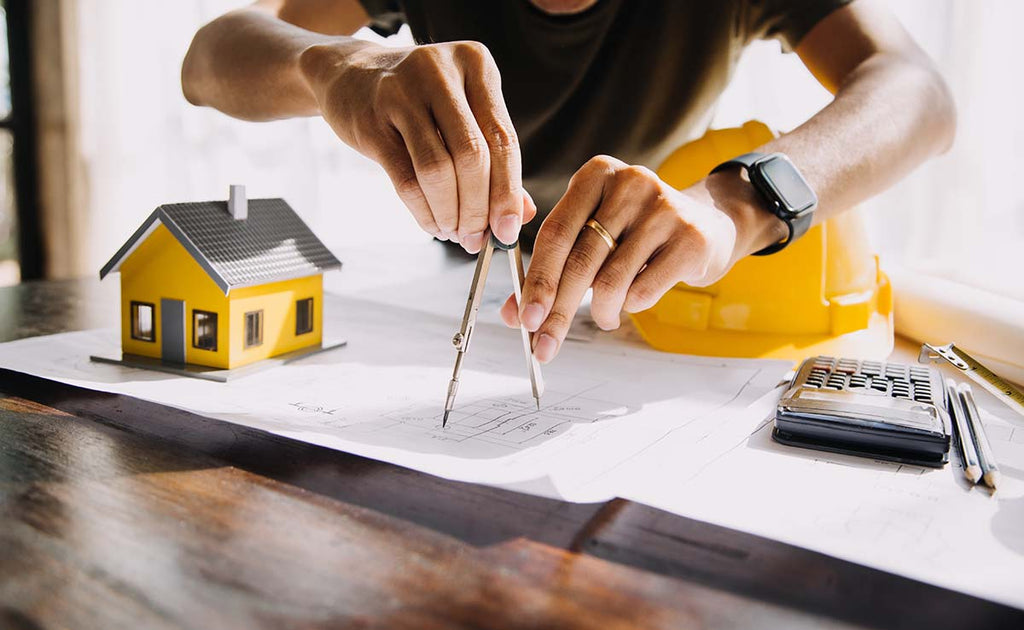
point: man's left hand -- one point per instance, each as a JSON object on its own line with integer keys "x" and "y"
{"x": 664, "y": 236}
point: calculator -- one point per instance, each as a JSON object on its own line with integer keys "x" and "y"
{"x": 888, "y": 411}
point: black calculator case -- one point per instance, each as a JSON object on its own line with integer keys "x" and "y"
{"x": 868, "y": 409}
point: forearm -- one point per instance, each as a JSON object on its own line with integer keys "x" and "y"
{"x": 889, "y": 115}
{"x": 888, "y": 118}
{"x": 247, "y": 65}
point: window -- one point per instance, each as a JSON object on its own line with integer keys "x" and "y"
{"x": 142, "y": 321}
{"x": 253, "y": 329}
{"x": 21, "y": 251}
{"x": 304, "y": 316}
{"x": 204, "y": 330}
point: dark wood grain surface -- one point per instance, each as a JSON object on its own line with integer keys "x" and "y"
{"x": 103, "y": 528}
{"x": 115, "y": 512}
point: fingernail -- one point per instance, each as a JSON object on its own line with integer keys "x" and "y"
{"x": 451, "y": 236}
{"x": 532, "y": 316}
{"x": 507, "y": 230}
{"x": 546, "y": 347}
{"x": 473, "y": 242}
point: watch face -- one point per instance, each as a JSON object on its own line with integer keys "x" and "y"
{"x": 786, "y": 183}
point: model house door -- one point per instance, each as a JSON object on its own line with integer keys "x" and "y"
{"x": 172, "y": 330}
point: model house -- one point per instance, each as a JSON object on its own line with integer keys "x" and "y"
{"x": 221, "y": 284}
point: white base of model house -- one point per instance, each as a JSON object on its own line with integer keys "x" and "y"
{"x": 219, "y": 375}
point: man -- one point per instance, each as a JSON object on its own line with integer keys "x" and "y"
{"x": 576, "y": 99}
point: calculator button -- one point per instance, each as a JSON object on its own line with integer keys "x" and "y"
{"x": 880, "y": 384}
{"x": 895, "y": 370}
{"x": 849, "y": 366}
{"x": 871, "y": 368}
{"x": 919, "y": 374}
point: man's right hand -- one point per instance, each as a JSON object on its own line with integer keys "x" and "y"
{"x": 434, "y": 117}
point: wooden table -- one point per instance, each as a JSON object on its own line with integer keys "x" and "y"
{"x": 119, "y": 513}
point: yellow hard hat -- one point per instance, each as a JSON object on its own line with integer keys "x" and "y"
{"x": 824, "y": 294}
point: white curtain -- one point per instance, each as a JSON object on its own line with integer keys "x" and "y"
{"x": 960, "y": 217}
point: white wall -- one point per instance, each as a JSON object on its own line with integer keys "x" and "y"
{"x": 144, "y": 145}
{"x": 960, "y": 216}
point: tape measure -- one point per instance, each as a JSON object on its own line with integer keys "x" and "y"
{"x": 977, "y": 372}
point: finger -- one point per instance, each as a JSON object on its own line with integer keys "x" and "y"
{"x": 581, "y": 266}
{"x": 585, "y": 259}
{"x": 556, "y": 238}
{"x": 471, "y": 158}
{"x": 483, "y": 92}
{"x": 394, "y": 157}
{"x": 510, "y": 312}
{"x": 435, "y": 172}
{"x": 660, "y": 275}
{"x": 619, "y": 271}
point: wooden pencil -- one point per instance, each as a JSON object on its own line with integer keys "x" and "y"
{"x": 987, "y": 461}
{"x": 968, "y": 451}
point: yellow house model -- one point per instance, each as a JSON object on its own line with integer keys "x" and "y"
{"x": 220, "y": 284}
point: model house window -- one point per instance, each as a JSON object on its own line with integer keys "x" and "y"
{"x": 304, "y": 316}
{"x": 253, "y": 329}
{"x": 142, "y": 321}
{"x": 204, "y": 330}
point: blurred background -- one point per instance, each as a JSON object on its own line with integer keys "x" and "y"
{"x": 95, "y": 133}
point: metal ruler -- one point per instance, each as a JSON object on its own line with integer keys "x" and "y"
{"x": 998, "y": 387}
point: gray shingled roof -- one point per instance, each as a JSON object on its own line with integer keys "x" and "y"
{"x": 272, "y": 244}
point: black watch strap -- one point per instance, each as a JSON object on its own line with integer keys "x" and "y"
{"x": 796, "y": 226}
{"x": 746, "y": 160}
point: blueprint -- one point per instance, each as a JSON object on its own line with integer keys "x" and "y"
{"x": 689, "y": 435}
{"x": 382, "y": 396}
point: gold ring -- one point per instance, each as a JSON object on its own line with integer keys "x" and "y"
{"x": 603, "y": 233}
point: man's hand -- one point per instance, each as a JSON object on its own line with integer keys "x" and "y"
{"x": 664, "y": 236}
{"x": 434, "y": 117}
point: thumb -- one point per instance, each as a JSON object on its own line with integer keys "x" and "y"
{"x": 529, "y": 207}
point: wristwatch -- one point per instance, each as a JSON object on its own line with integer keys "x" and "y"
{"x": 784, "y": 189}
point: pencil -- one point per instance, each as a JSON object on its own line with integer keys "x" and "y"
{"x": 987, "y": 461}
{"x": 968, "y": 452}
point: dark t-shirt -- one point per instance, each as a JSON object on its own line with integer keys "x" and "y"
{"x": 634, "y": 79}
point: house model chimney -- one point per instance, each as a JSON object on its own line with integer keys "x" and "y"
{"x": 238, "y": 205}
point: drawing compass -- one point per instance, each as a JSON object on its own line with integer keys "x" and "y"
{"x": 476, "y": 293}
